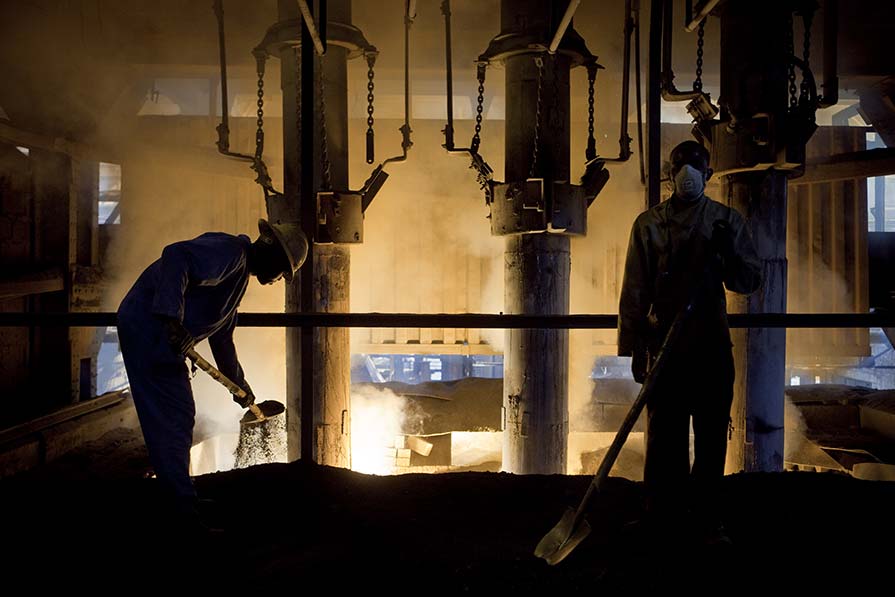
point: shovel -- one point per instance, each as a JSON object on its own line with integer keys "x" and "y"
{"x": 572, "y": 527}
{"x": 258, "y": 413}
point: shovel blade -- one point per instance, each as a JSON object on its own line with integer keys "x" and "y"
{"x": 562, "y": 539}
{"x": 269, "y": 408}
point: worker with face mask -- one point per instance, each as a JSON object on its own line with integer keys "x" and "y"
{"x": 191, "y": 293}
{"x": 688, "y": 245}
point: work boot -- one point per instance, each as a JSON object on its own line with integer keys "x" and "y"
{"x": 195, "y": 518}
{"x": 715, "y": 536}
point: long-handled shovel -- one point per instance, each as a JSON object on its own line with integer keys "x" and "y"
{"x": 258, "y": 413}
{"x": 572, "y": 527}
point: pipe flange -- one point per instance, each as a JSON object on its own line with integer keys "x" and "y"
{"x": 281, "y": 35}
{"x": 515, "y": 43}
{"x": 348, "y": 37}
{"x": 287, "y": 34}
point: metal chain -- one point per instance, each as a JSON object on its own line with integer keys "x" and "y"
{"x": 556, "y": 120}
{"x": 478, "y": 163}
{"x": 260, "y": 60}
{"x": 591, "y": 151}
{"x": 539, "y": 62}
{"x": 700, "y": 48}
{"x": 298, "y": 99}
{"x": 791, "y": 67}
{"x": 479, "y": 108}
{"x": 807, "y": 18}
{"x": 326, "y": 182}
{"x": 371, "y": 61}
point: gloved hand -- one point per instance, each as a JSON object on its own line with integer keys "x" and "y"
{"x": 178, "y": 336}
{"x": 722, "y": 239}
{"x": 244, "y": 402}
{"x": 639, "y": 365}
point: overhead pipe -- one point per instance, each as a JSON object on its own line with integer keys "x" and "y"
{"x": 637, "y": 98}
{"x": 448, "y": 62}
{"x": 223, "y": 129}
{"x": 563, "y": 25}
{"x": 669, "y": 92}
{"x": 449, "y": 84}
{"x": 831, "y": 55}
{"x": 406, "y": 143}
{"x": 654, "y": 107}
{"x": 624, "y": 141}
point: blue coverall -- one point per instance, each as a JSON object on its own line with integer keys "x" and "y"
{"x": 201, "y": 283}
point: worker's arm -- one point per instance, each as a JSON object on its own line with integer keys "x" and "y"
{"x": 224, "y": 351}
{"x": 201, "y": 262}
{"x": 634, "y": 303}
{"x": 742, "y": 268}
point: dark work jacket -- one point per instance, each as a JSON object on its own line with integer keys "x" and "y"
{"x": 669, "y": 258}
{"x": 201, "y": 283}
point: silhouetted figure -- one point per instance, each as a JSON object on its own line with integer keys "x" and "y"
{"x": 191, "y": 293}
{"x": 686, "y": 243}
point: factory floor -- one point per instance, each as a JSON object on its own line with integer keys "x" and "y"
{"x": 92, "y": 521}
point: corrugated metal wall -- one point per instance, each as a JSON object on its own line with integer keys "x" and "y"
{"x": 826, "y": 247}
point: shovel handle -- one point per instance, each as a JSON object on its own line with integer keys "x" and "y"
{"x": 631, "y": 418}
{"x": 234, "y": 389}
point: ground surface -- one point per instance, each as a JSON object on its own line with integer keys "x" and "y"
{"x": 91, "y": 525}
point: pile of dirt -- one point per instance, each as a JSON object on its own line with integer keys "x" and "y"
{"x": 308, "y": 526}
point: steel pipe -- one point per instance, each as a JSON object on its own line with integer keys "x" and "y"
{"x": 563, "y": 25}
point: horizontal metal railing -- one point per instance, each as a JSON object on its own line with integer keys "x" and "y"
{"x": 465, "y": 320}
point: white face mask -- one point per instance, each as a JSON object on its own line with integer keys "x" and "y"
{"x": 689, "y": 183}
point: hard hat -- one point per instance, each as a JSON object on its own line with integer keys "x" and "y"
{"x": 291, "y": 239}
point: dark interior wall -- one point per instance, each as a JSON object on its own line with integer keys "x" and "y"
{"x": 882, "y": 282}
{"x": 15, "y": 251}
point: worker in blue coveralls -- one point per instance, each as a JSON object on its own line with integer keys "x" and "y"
{"x": 189, "y": 294}
{"x": 687, "y": 243}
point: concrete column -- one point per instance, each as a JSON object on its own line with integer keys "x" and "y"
{"x": 536, "y": 266}
{"x": 753, "y": 81}
{"x": 535, "y": 381}
{"x": 332, "y": 269}
{"x": 329, "y": 263}
{"x": 760, "y": 353}
{"x": 289, "y": 212}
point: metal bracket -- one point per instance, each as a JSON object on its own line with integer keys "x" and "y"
{"x": 518, "y": 207}
{"x": 569, "y": 209}
{"x": 533, "y": 206}
{"x": 340, "y": 218}
{"x": 701, "y": 108}
{"x": 753, "y": 145}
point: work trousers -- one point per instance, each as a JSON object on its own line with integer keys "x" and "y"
{"x": 698, "y": 386}
{"x": 160, "y": 387}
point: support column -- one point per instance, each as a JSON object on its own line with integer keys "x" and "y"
{"x": 318, "y": 364}
{"x": 290, "y": 81}
{"x": 536, "y": 265}
{"x": 754, "y": 81}
{"x": 760, "y": 353}
{"x": 332, "y": 271}
{"x": 536, "y": 362}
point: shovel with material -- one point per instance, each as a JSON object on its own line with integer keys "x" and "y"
{"x": 572, "y": 527}
{"x": 258, "y": 413}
